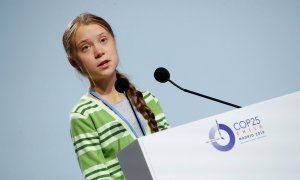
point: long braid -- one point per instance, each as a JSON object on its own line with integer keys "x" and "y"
{"x": 138, "y": 101}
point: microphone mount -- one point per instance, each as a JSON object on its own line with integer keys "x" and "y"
{"x": 122, "y": 86}
{"x": 162, "y": 75}
{"x": 204, "y": 96}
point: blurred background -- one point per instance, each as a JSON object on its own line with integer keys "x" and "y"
{"x": 243, "y": 52}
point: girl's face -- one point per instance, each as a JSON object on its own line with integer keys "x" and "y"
{"x": 96, "y": 51}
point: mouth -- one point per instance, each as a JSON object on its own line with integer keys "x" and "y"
{"x": 103, "y": 64}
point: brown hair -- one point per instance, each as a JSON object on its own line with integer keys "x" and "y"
{"x": 138, "y": 101}
{"x": 135, "y": 96}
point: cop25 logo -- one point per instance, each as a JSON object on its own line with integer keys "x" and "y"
{"x": 221, "y": 137}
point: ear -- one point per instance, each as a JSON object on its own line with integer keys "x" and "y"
{"x": 74, "y": 63}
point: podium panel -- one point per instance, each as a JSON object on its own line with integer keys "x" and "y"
{"x": 258, "y": 142}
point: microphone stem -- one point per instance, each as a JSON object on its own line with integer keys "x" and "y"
{"x": 204, "y": 96}
{"x": 136, "y": 117}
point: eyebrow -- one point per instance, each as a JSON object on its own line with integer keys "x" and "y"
{"x": 85, "y": 40}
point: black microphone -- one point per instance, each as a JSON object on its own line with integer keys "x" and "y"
{"x": 162, "y": 75}
{"x": 122, "y": 86}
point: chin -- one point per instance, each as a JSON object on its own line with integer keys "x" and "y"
{"x": 106, "y": 74}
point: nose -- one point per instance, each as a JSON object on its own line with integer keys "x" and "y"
{"x": 98, "y": 51}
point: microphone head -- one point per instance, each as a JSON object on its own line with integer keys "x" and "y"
{"x": 162, "y": 75}
{"x": 122, "y": 85}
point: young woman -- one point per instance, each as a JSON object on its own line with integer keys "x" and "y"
{"x": 102, "y": 122}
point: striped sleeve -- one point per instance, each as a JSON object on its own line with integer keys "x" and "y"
{"x": 87, "y": 147}
{"x": 155, "y": 107}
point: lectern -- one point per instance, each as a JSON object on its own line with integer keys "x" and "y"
{"x": 259, "y": 141}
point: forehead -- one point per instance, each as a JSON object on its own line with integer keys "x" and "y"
{"x": 86, "y": 32}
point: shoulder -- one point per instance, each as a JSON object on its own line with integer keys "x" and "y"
{"x": 148, "y": 97}
{"x": 157, "y": 110}
{"x": 152, "y": 102}
{"x": 84, "y": 107}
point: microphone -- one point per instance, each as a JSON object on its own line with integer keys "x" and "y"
{"x": 162, "y": 75}
{"x": 122, "y": 86}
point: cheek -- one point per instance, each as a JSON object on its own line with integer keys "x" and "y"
{"x": 115, "y": 55}
{"x": 85, "y": 59}
{"x": 82, "y": 63}
{"x": 117, "y": 58}
{"x": 117, "y": 61}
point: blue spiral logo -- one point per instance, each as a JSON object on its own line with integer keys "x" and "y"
{"x": 221, "y": 137}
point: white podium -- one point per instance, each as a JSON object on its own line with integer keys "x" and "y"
{"x": 258, "y": 142}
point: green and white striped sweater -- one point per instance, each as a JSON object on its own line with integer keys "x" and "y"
{"x": 98, "y": 134}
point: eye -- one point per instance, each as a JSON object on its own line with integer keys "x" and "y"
{"x": 85, "y": 48}
{"x": 103, "y": 40}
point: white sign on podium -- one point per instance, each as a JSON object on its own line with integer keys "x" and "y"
{"x": 258, "y": 142}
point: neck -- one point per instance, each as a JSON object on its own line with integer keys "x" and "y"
{"x": 106, "y": 89}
